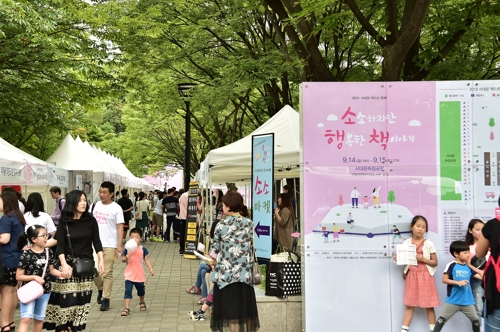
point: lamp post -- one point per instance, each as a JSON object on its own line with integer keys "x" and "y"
{"x": 183, "y": 89}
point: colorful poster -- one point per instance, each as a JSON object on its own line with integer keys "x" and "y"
{"x": 360, "y": 157}
{"x": 375, "y": 155}
{"x": 262, "y": 193}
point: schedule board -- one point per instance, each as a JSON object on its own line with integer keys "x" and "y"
{"x": 374, "y": 156}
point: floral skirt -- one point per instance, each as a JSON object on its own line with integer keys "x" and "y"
{"x": 69, "y": 304}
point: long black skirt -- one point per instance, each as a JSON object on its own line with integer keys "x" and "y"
{"x": 69, "y": 304}
{"x": 234, "y": 305}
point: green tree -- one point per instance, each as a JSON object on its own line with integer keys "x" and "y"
{"x": 406, "y": 39}
{"x": 391, "y": 197}
{"x": 230, "y": 49}
{"x": 50, "y": 70}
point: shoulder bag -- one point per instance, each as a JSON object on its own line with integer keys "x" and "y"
{"x": 33, "y": 290}
{"x": 81, "y": 266}
{"x": 256, "y": 274}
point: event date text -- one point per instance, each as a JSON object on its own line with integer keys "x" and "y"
{"x": 375, "y": 160}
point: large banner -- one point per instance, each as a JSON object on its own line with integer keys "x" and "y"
{"x": 262, "y": 193}
{"x": 375, "y": 155}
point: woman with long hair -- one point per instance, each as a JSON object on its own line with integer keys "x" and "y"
{"x": 11, "y": 227}
{"x": 219, "y": 211}
{"x": 284, "y": 217}
{"x": 234, "y": 303}
{"x": 69, "y": 302}
{"x": 35, "y": 214}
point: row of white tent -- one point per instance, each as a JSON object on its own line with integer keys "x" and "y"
{"x": 233, "y": 162}
{"x": 20, "y": 168}
{"x": 75, "y": 155}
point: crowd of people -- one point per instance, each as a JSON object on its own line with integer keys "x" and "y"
{"x": 79, "y": 232}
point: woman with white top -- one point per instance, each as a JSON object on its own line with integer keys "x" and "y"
{"x": 35, "y": 214}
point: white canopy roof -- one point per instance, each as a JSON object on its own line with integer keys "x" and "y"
{"x": 20, "y": 167}
{"x": 73, "y": 154}
{"x": 233, "y": 162}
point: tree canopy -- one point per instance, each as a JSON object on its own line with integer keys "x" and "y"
{"x": 109, "y": 70}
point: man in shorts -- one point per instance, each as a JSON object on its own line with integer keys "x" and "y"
{"x": 157, "y": 222}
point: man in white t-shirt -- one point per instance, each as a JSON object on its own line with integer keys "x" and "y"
{"x": 354, "y": 197}
{"x": 109, "y": 216}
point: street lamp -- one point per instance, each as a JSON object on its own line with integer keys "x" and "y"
{"x": 183, "y": 89}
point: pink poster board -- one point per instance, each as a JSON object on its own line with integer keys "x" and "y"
{"x": 369, "y": 153}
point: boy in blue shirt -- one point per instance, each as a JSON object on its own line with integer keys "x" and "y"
{"x": 458, "y": 275}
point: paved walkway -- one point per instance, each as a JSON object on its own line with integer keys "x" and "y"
{"x": 166, "y": 297}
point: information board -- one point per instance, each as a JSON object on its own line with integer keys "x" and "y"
{"x": 191, "y": 242}
{"x": 377, "y": 154}
{"x": 262, "y": 193}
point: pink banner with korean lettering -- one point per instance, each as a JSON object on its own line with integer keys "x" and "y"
{"x": 375, "y": 155}
{"x": 361, "y": 155}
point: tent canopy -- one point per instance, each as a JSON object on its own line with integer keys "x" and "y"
{"x": 19, "y": 167}
{"x": 233, "y": 162}
{"x": 75, "y": 155}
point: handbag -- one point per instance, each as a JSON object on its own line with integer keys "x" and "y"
{"x": 283, "y": 279}
{"x": 256, "y": 274}
{"x": 33, "y": 290}
{"x": 81, "y": 266}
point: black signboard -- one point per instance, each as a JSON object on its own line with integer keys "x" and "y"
{"x": 191, "y": 229}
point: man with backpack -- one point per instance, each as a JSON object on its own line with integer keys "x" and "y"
{"x": 55, "y": 192}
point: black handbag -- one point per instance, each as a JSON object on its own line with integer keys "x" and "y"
{"x": 81, "y": 266}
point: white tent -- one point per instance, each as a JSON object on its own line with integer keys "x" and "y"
{"x": 233, "y": 162}
{"x": 83, "y": 160}
{"x": 21, "y": 168}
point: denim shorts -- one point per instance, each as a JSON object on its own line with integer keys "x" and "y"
{"x": 35, "y": 309}
{"x": 141, "y": 289}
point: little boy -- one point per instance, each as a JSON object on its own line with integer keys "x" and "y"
{"x": 458, "y": 275}
{"x": 134, "y": 271}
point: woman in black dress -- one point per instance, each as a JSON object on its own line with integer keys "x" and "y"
{"x": 69, "y": 302}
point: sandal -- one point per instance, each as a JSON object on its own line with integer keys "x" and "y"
{"x": 142, "y": 306}
{"x": 12, "y": 328}
{"x": 125, "y": 312}
{"x": 4, "y": 327}
{"x": 201, "y": 301}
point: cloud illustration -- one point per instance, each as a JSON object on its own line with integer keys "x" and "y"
{"x": 320, "y": 125}
{"x": 332, "y": 117}
{"x": 414, "y": 123}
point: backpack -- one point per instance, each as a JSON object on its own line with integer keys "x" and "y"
{"x": 496, "y": 267}
{"x": 60, "y": 208}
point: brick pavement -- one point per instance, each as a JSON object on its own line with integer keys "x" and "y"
{"x": 166, "y": 297}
